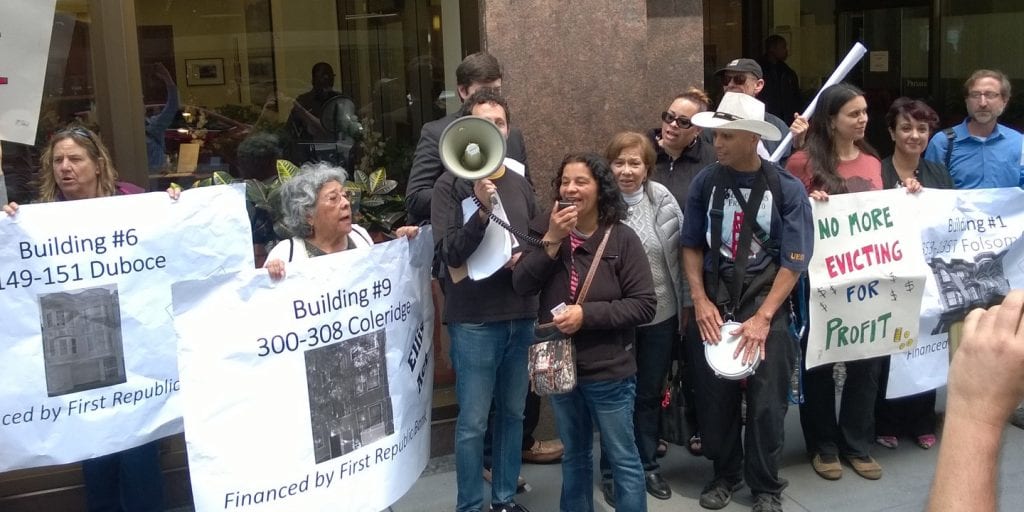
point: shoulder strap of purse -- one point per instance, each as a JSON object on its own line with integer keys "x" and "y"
{"x": 593, "y": 267}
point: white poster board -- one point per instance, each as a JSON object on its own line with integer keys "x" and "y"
{"x": 88, "y": 358}
{"x": 971, "y": 241}
{"x": 866, "y": 276}
{"x": 24, "y": 47}
{"x": 310, "y": 393}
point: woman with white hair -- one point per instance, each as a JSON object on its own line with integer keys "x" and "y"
{"x": 318, "y": 213}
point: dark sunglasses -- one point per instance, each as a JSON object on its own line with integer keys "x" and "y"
{"x": 76, "y": 130}
{"x": 680, "y": 121}
{"x": 736, "y": 79}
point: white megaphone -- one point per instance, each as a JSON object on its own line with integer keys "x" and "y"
{"x": 472, "y": 148}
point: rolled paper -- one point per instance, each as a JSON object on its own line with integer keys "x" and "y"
{"x": 852, "y": 58}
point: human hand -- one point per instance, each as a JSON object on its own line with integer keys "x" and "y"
{"x": 819, "y": 195}
{"x": 799, "y": 130}
{"x": 11, "y": 208}
{"x": 570, "y": 319}
{"x": 709, "y": 320}
{"x": 912, "y": 185}
{"x": 561, "y": 222}
{"x": 484, "y": 190}
{"x": 753, "y": 336}
{"x": 986, "y": 375}
{"x": 275, "y": 268}
{"x": 407, "y": 231}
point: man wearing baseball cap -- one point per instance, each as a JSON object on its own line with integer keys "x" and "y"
{"x": 745, "y": 76}
{"x": 747, "y": 236}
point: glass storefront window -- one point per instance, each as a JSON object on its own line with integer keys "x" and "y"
{"x": 323, "y": 78}
{"x": 68, "y": 94}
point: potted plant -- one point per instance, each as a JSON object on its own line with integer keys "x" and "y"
{"x": 375, "y": 204}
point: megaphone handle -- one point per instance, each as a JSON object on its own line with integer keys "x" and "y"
{"x": 508, "y": 227}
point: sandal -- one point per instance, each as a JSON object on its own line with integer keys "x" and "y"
{"x": 926, "y": 441}
{"x": 662, "y": 448}
{"x": 889, "y": 442}
{"x": 695, "y": 446}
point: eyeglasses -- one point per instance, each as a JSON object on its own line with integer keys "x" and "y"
{"x": 988, "y": 95}
{"x": 680, "y": 121}
{"x": 738, "y": 79}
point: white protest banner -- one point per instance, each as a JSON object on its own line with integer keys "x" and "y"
{"x": 88, "y": 360}
{"x": 313, "y": 392}
{"x": 24, "y": 47}
{"x": 866, "y": 276}
{"x": 967, "y": 237}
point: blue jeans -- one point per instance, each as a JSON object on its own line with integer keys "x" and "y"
{"x": 490, "y": 363}
{"x": 654, "y": 344}
{"x": 609, "y": 403}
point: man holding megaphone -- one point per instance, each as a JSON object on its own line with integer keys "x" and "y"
{"x": 478, "y": 70}
{"x": 491, "y": 327}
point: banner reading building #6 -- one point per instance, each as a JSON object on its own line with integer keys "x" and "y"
{"x": 88, "y": 360}
{"x": 312, "y": 392}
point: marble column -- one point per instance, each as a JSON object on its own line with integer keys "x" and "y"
{"x": 575, "y": 73}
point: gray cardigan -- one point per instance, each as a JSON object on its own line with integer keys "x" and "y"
{"x": 668, "y": 224}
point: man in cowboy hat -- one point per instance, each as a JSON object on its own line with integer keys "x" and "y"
{"x": 747, "y": 236}
{"x": 745, "y": 76}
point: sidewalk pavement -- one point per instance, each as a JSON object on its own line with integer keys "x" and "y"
{"x": 907, "y": 475}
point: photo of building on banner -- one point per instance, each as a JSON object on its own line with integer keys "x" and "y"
{"x": 866, "y": 277}
{"x": 971, "y": 242}
{"x": 87, "y": 354}
{"x": 316, "y": 393}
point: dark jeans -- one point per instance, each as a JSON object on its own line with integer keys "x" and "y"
{"x": 718, "y": 401}
{"x": 913, "y": 415}
{"x": 128, "y": 481}
{"x": 654, "y": 344}
{"x": 691, "y": 354}
{"x": 854, "y": 432}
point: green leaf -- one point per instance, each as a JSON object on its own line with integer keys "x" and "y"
{"x": 385, "y": 186}
{"x": 286, "y": 170}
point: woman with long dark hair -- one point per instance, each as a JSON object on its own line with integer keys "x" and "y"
{"x": 835, "y": 160}
{"x": 602, "y": 327}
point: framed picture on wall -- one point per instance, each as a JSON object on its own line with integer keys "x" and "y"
{"x": 204, "y": 71}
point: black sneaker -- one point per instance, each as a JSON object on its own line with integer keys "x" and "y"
{"x": 718, "y": 493}
{"x": 764, "y": 502}
{"x": 508, "y": 507}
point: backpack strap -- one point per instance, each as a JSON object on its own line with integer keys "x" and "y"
{"x": 950, "y": 136}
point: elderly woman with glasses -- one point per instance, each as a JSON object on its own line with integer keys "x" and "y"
{"x": 76, "y": 165}
{"x": 318, "y": 212}
{"x": 655, "y": 215}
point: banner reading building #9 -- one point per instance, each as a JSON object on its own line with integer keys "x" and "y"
{"x": 312, "y": 392}
{"x": 88, "y": 360}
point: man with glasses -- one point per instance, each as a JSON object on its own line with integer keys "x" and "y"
{"x": 745, "y": 76}
{"x": 980, "y": 152}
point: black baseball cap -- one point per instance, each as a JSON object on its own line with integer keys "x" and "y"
{"x": 742, "y": 66}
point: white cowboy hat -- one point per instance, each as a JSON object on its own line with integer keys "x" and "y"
{"x": 737, "y": 111}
